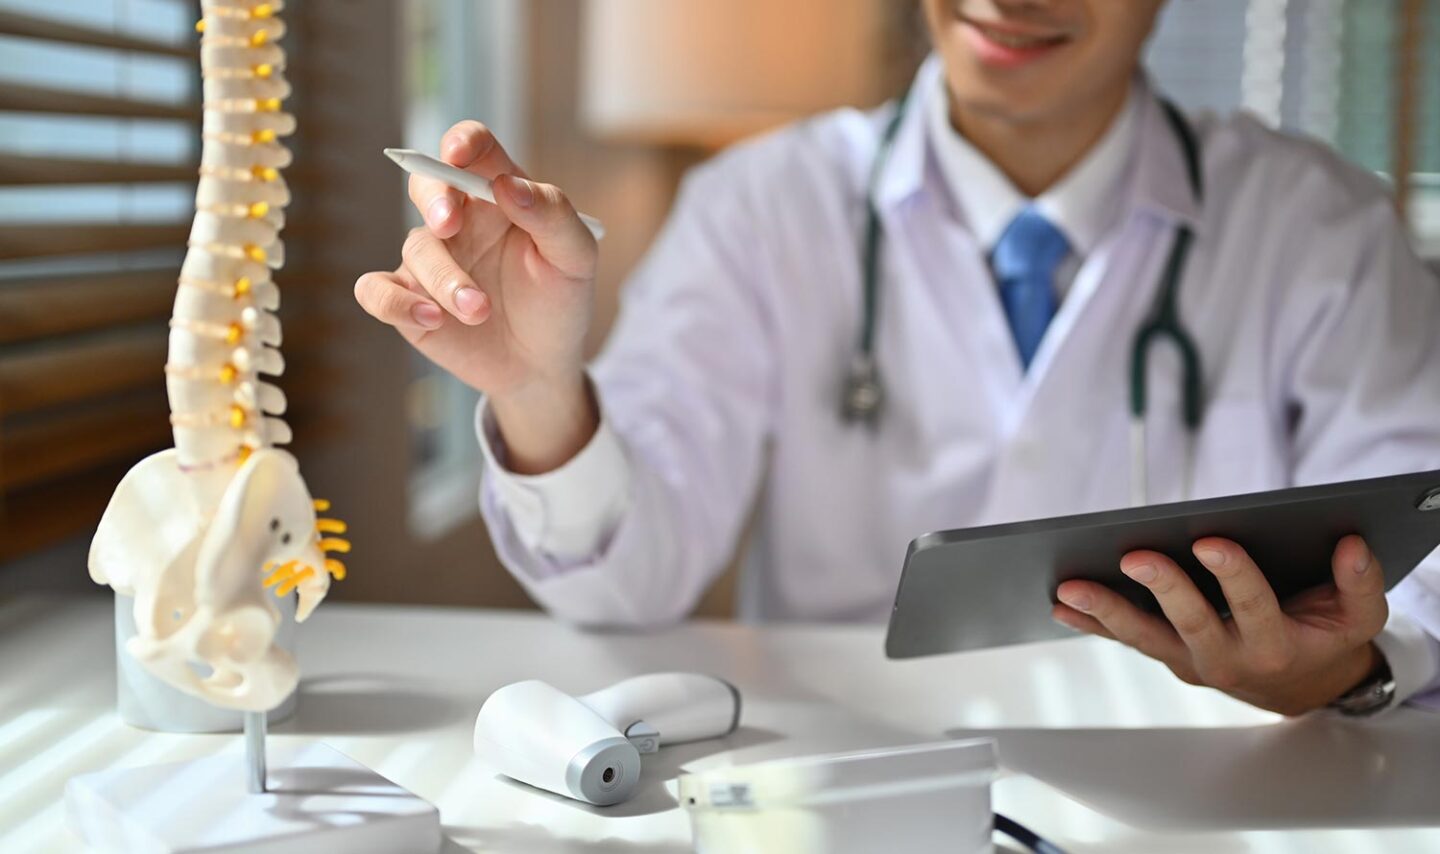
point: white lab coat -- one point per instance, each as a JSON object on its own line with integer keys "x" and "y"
{"x": 1319, "y": 329}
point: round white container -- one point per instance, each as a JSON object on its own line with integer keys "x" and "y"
{"x": 148, "y": 703}
{"x": 908, "y": 800}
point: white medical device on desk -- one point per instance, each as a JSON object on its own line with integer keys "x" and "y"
{"x": 588, "y": 748}
{"x": 915, "y": 799}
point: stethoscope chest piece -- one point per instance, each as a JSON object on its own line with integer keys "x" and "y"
{"x": 863, "y": 395}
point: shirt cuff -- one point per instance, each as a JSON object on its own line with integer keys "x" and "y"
{"x": 567, "y": 513}
{"x": 1413, "y": 656}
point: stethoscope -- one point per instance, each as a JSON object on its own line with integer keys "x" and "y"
{"x": 863, "y": 394}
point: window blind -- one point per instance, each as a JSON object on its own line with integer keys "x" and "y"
{"x": 99, "y": 129}
{"x": 1363, "y": 76}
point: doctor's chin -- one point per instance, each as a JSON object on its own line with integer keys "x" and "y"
{"x": 720, "y": 425}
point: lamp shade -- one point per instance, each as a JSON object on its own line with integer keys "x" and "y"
{"x": 706, "y": 72}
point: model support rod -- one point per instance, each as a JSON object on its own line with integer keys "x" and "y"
{"x": 255, "y": 752}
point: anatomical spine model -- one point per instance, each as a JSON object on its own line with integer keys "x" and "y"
{"x": 196, "y": 533}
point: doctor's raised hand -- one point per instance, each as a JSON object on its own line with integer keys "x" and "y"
{"x": 1289, "y": 658}
{"x": 500, "y": 296}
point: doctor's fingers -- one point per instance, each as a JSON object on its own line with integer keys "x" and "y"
{"x": 1360, "y": 580}
{"x": 1103, "y": 609}
{"x": 428, "y": 259}
{"x": 472, "y": 147}
{"x": 388, "y": 298}
{"x": 1067, "y": 616}
{"x": 1187, "y": 610}
{"x": 439, "y": 205}
{"x": 545, "y": 213}
{"x": 1253, "y": 606}
{"x": 1178, "y": 665}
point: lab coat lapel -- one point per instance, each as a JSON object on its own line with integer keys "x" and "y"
{"x": 1080, "y": 372}
{"x": 1116, "y": 287}
{"x": 930, "y": 247}
{"x": 942, "y": 253}
{"x": 926, "y": 246}
{"x": 1158, "y": 188}
{"x": 1160, "y": 184}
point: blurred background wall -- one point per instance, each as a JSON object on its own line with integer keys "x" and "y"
{"x": 611, "y": 99}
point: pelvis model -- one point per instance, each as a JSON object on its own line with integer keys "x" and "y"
{"x": 197, "y": 533}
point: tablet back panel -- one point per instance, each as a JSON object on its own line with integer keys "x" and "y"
{"x": 992, "y": 586}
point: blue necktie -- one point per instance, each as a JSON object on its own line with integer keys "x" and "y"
{"x": 1025, "y": 259}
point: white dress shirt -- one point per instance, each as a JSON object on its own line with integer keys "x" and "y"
{"x": 720, "y": 386}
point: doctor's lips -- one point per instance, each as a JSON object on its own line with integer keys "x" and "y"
{"x": 1010, "y": 45}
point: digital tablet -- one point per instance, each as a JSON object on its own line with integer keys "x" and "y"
{"x": 993, "y": 586}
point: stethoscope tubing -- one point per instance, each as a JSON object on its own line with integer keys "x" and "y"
{"x": 1140, "y": 463}
{"x": 1025, "y": 836}
{"x": 863, "y": 393}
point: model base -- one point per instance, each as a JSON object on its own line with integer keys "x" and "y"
{"x": 318, "y": 800}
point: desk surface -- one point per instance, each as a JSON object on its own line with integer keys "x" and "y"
{"x": 1131, "y": 759}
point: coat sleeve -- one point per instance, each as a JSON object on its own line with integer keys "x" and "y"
{"x": 686, "y": 389}
{"x": 1363, "y": 385}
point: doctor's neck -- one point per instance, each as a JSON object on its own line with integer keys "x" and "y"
{"x": 1036, "y": 151}
{"x": 1034, "y": 84}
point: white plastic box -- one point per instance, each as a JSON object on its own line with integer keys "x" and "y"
{"x": 906, "y": 800}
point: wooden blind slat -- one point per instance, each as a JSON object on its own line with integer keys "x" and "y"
{"x": 15, "y": 24}
{"x": 16, "y": 170}
{"x": 36, "y": 241}
{"x": 35, "y": 99}
{"x": 53, "y": 448}
{"x": 69, "y": 370}
{"x": 55, "y": 305}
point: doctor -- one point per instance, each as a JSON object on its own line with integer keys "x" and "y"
{"x": 1027, "y": 200}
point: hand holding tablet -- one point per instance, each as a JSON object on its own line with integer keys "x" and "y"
{"x": 1288, "y": 659}
{"x": 1240, "y": 592}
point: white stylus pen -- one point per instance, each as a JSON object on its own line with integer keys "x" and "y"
{"x": 417, "y": 163}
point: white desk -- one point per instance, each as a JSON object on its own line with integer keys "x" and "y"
{"x": 397, "y": 688}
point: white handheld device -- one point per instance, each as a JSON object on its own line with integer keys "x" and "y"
{"x": 589, "y": 747}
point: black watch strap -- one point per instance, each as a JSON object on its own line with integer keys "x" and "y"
{"x": 1374, "y": 695}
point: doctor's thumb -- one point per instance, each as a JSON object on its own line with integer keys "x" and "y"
{"x": 545, "y": 213}
{"x": 1360, "y": 580}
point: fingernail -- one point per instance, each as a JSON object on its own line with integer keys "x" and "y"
{"x": 1143, "y": 573}
{"x": 1078, "y": 600}
{"x": 1362, "y": 563}
{"x": 524, "y": 192}
{"x": 469, "y": 301}
{"x": 1213, "y": 558}
{"x": 427, "y": 315}
{"x": 440, "y": 210}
